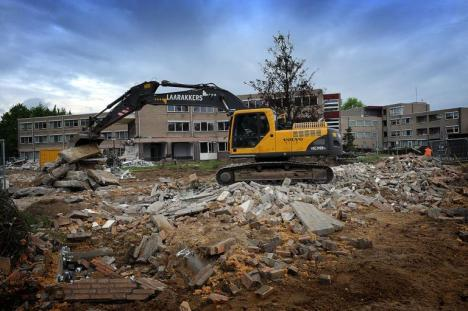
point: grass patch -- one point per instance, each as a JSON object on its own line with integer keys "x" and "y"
{"x": 32, "y": 219}
{"x": 370, "y": 158}
{"x": 210, "y": 165}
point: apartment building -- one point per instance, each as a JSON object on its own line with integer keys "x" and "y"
{"x": 180, "y": 132}
{"x": 366, "y": 125}
{"x": 54, "y": 132}
{"x": 414, "y": 124}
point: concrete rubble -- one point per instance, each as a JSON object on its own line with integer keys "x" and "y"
{"x": 254, "y": 235}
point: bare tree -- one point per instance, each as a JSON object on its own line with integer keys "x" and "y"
{"x": 286, "y": 82}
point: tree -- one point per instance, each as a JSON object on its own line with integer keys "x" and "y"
{"x": 352, "y": 102}
{"x": 349, "y": 140}
{"x": 9, "y": 123}
{"x": 9, "y": 128}
{"x": 285, "y": 79}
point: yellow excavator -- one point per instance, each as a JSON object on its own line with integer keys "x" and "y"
{"x": 258, "y": 134}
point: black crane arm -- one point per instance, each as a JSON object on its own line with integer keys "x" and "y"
{"x": 206, "y": 95}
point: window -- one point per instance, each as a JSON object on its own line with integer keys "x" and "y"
{"x": 107, "y": 135}
{"x": 223, "y": 125}
{"x": 26, "y": 139}
{"x": 71, "y": 123}
{"x": 55, "y": 139}
{"x": 451, "y": 115}
{"x": 249, "y": 129}
{"x": 40, "y": 125}
{"x": 396, "y": 111}
{"x": 352, "y": 123}
{"x": 395, "y": 121}
{"x": 395, "y": 133}
{"x": 434, "y": 130}
{"x": 421, "y": 119}
{"x": 55, "y": 124}
{"x": 202, "y": 126}
{"x": 204, "y": 109}
{"x": 435, "y": 117}
{"x": 422, "y": 131}
{"x": 405, "y": 120}
{"x": 40, "y": 139}
{"x": 406, "y": 133}
{"x": 222, "y": 146}
{"x": 172, "y": 108}
{"x": 368, "y": 123}
{"x": 121, "y": 135}
{"x": 178, "y": 126}
{"x": 253, "y": 103}
{"x": 453, "y": 129}
{"x": 26, "y": 126}
{"x": 84, "y": 122}
{"x": 207, "y": 147}
{"x": 359, "y": 122}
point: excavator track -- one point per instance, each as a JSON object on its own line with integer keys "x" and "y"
{"x": 273, "y": 172}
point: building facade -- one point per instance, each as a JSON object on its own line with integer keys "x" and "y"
{"x": 55, "y": 132}
{"x": 366, "y": 126}
{"x": 413, "y": 125}
{"x": 403, "y": 125}
{"x": 331, "y": 109}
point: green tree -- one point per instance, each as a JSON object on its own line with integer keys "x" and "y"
{"x": 352, "y": 102}
{"x": 9, "y": 123}
{"x": 348, "y": 138}
{"x": 285, "y": 79}
{"x": 9, "y": 128}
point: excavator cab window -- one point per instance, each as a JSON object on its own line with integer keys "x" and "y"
{"x": 249, "y": 129}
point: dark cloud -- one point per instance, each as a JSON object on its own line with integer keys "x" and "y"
{"x": 82, "y": 54}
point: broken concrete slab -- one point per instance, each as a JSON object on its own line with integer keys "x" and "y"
{"x": 162, "y": 223}
{"x": 148, "y": 246}
{"x": 264, "y": 291}
{"x": 218, "y": 298}
{"x": 108, "y": 224}
{"x": 73, "y": 199}
{"x": 31, "y": 192}
{"x": 155, "y": 207}
{"x": 223, "y": 196}
{"x": 70, "y": 184}
{"x": 60, "y": 171}
{"x": 202, "y": 276}
{"x": 103, "y": 178}
{"x": 150, "y": 283}
{"x": 74, "y": 154}
{"x": 76, "y": 175}
{"x": 314, "y": 220}
{"x": 78, "y": 236}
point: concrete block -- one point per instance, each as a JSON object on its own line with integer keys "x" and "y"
{"x": 162, "y": 223}
{"x": 314, "y": 220}
{"x": 103, "y": 178}
{"x": 264, "y": 291}
{"x": 71, "y": 184}
{"x": 75, "y": 154}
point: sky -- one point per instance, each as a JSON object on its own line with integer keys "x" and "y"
{"x": 81, "y": 55}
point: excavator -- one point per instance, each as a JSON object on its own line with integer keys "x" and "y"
{"x": 258, "y": 135}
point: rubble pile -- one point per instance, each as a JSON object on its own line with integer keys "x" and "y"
{"x": 76, "y": 170}
{"x": 213, "y": 243}
{"x": 22, "y": 165}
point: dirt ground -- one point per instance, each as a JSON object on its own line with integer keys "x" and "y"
{"x": 416, "y": 263}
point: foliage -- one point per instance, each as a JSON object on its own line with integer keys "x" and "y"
{"x": 9, "y": 123}
{"x": 284, "y": 79}
{"x": 349, "y": 140}
{"x": 352, "y": 102}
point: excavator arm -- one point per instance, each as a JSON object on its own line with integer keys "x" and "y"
{"x": 206, "y": 95}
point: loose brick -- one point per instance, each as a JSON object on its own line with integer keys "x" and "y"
{"x": 220, "y": 247}
{"x": 277, "y": 274}
{"x": 264, "y": 291}
{"x": 250, "y": 279}
{"x": 218, "y": 298}
{"x": 293, "y": 270}
{"x": 283, "y": 253}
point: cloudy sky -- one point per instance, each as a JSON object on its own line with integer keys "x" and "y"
{"x": 83, "y": 54}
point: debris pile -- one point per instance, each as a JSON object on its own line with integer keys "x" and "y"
{"x": 195, "y": 237}
{"x": 76, "y": 170}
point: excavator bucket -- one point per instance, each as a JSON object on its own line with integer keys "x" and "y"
{"x": 84, "y": 139}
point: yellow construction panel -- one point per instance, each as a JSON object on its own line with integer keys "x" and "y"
{"x": 48, "y": 155}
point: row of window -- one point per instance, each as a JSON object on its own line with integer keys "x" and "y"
{"x": 406, "y": 143}
{"x": 198, "y": 126}
{"x": 365, "y": 135}
{"x": 53, "y": 139}
{"x": 55, "y": 124}
{"x": 353, "y": 123}
{"x": 210, "y": 147}
{"x": 172, "y": 108}
{"x": 451, "y": 129}
{"x": 451, "y": 115}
